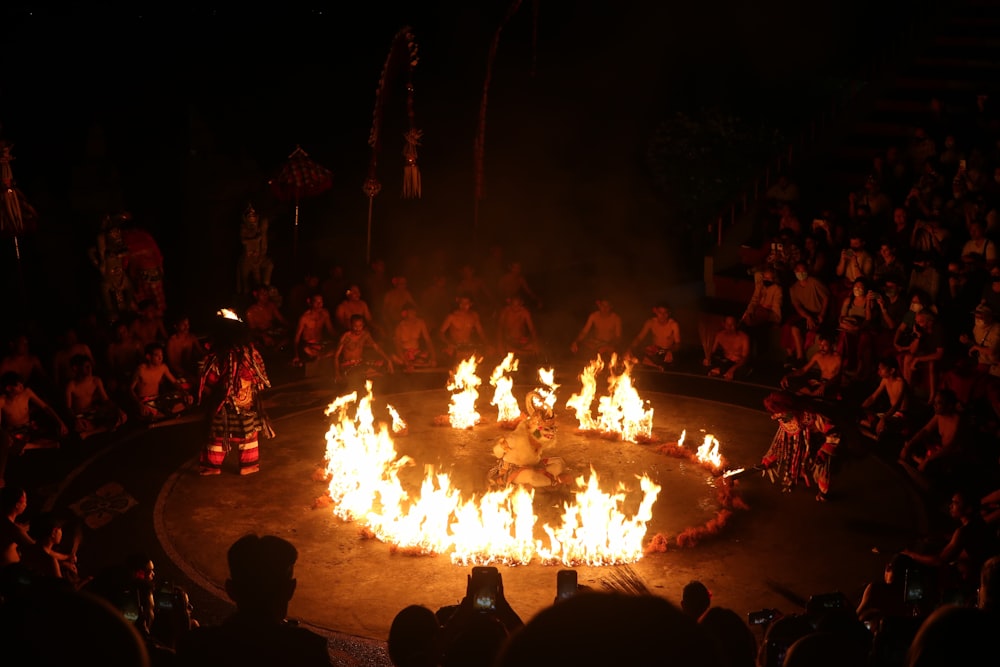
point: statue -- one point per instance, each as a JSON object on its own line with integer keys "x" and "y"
{"x": 145, "y": 266}
{"x": 110, "y": 256}
{"x": 255, "y": 266}
{"x": 519, "y": 455}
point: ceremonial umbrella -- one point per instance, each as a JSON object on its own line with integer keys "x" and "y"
{"x": 17, "y": 216}
{"x": 300, "y": 176}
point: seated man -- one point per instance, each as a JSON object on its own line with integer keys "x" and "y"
{"x": 309, "y": 335}
{"x": 765, "y": 305}
{"x": 730, "y": 351}
{"x": 943, "y": 438}
{"x": 351, "y": 352}
{"x": 267, "y": 325}
{"x": 413, "y": 344}
{"x": 920, "y": 358}
{"x": 88, "y": 401}
{"x": 516, "y": 330}
{"x": 827, "y": 362}
{"x": 665, "y": 338}
{"x": 601, "y": 333}
{"x": 148, "y": 327}
{"x": 19, "y": 409}
{"x": 183, "y": 353}
{"x": 459, "y": 332}
{"x": 897, "y": 391}
{"x": 156, "y": 401}
{"x": 352, "y": 305}
{"x": 809, "y": 299}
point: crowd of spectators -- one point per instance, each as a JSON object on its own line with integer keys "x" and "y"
{"x": 887, "y": 302}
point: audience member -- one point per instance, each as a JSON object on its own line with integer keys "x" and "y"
{"x": 695, "y": 599}
{"x": 261, "y": 583}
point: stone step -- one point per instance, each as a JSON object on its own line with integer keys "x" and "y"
{"x": 986, "y": 43}
{"x": 932, "y": 85}
{"x": 943, "y": 62}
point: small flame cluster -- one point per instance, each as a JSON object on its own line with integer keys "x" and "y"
{"x": 620, "y": 412}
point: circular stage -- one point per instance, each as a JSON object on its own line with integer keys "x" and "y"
{"x": 775, "y": 553}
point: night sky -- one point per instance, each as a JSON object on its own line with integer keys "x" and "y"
{"x": 181, "y": 115}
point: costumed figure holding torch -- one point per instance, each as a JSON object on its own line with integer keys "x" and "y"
{"x": 231, "y": 383}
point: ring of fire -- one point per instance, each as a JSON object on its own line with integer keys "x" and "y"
{"x": 370, "y": 476}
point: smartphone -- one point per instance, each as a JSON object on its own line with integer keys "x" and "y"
{"x": 484, "y": 588}
{"x": 913, "y": 589}
{"x": 762, "y": 617}
{"x": 566, "y": 584}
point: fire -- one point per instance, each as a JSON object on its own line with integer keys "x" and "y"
{"x": 498, "y": 527}
{"x": 398, "y": 425}
{"x": 620, "y": 412}
{"x": 708, "y": 453}
{"x": 508, "y": 409}
{"x": 547, "y": 391}
{"x": 463, "y": 382}
{"x": 580, "y": 403}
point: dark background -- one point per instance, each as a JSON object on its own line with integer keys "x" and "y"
{"x": 180, "y": 115}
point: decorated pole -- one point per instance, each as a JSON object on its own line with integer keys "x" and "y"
{"x": 479, "y": 149}
{"x": 412, "y": 137}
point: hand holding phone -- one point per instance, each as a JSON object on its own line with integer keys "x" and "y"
{"x": 567, "y": 584}
{"x": 484, "y": 588}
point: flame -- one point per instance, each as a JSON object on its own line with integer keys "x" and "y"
{"x": 498, "y": 527}
{"x": 463, "y": 382}
{"x": 709, "y": 452}
{"x": 398, "y": 425}
{"x": 548, "y": 389}
{"x": 580, "y": 403}
{"x": 620, "y": 412}
{"x": 680, "y": 440}
{"x": 508, "y": 409}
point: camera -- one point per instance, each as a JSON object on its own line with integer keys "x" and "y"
{"x": 169, "y": 597}
{"x": 484, "y": 588}
{"x": 762, "y": 617}
{"x": 567, "y": 584}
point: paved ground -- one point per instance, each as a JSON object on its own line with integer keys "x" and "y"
{"x": 140, "y": 492}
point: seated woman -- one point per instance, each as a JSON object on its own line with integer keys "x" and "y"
{"x": 857, "y": 314}
{"x": 88, "y": 402}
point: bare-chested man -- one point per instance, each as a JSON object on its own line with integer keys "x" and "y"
{"x": 516, "y": 330}
{"x": 458, "y": 329}
{"x": 88, "y": 401}
{"x": 350, "y": 354}
{"x": 665, "y": 335}
{"x": 156, "y": 401}
{"x": 351, "y": 306}
{"x": 601, "y": 333}
{"x": 897, "y": 390}
{"x": 148, "y": 327}
{"x": 828, "y": 362}
{"x": 61, "y": 360}
{"x": 184, "y": 350}
{"x": 309, "y": 335}
{"x": 943, "y": 435}
{"x": 267, "y": 325}
{"x": 23, "y": 361}
{"x": 124, "y": 355}
{"x": 413, "y": 345}
{"x": 17, "y": 406}
{"x": 730, "y": 351}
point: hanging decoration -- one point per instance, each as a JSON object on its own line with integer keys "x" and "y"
{"x": 412, "y": 137}
{"x": 480, "y": 145}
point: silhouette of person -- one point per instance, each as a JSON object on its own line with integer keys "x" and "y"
{"x": 261, "y": 584}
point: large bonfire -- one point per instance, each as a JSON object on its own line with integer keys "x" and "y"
{"x": 363, "y": 468}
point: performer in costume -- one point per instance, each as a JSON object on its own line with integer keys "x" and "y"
{"x": 232, "y": 380}
{"x": 802, "y": 428}
{"x": 520, "y": 457}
